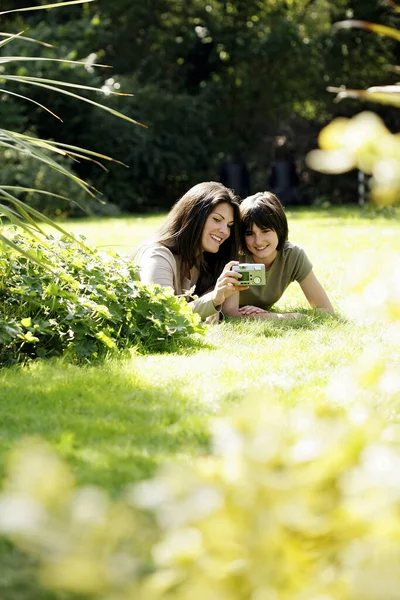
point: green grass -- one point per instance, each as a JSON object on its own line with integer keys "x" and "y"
{"x": 116, "y": 421}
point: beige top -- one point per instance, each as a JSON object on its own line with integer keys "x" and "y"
{"x": 158, "y": 265}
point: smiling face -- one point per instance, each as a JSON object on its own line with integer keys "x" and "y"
{"x": 217, "y": 227}
{"x": 262, "y": 244}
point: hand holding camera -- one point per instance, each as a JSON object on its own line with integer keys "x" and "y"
{"x": 251, "y": 274}
{"x": 237, "y": 277}
{"x": 227, "y": 283}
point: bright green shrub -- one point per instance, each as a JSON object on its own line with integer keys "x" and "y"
{"x": 85, "y": 305}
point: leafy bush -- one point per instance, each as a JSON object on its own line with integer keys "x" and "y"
{"x": 85, "y": 305}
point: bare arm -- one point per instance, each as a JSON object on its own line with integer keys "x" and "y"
{"x": 315, "y": 293}
{"x": 231, "y": 306}
{"x": 312, "y": 289}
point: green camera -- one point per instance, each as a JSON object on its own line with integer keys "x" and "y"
{"x": 252, "y": 274}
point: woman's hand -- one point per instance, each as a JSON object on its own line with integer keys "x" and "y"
{"x": 257, "y": 312}
{"x": 226, "y": 284}
{"x": 246, "y": 311}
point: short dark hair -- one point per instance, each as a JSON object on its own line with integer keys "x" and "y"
{"x": 265, "y": 210}
{"x": 183, "y": 229}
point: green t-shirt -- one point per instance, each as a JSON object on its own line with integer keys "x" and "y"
{"x": 291, "y": 264}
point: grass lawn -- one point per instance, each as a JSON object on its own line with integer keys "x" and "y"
{"x": 116, "y": 421}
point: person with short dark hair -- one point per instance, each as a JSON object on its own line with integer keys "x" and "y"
{"x": 264, "y": 235}
{"x": 192, "y": 252}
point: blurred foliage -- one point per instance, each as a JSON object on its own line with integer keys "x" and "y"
{"x": 208, "y": 78}
{"x": 75, "y": 301}
{"x": 294, "y": 502}
{"x": 364, "y": 142}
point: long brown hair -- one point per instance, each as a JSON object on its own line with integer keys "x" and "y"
{"x": 183, "y": 228}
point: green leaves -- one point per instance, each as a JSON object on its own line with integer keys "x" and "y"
{"x": 85, "y": 306}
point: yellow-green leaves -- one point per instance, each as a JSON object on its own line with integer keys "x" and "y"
{"x": 364, "y": 143}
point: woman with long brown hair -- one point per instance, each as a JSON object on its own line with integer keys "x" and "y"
{"x": 192, "y": 252}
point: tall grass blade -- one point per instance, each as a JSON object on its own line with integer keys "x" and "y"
{"x": 27, "y": 78}
{"x": 28, "y": 148}
{"x": 7, "y": 59}
{"x": 15, "y": 218}
{"x": 10, "y": 38}
{"x": 32, "y": 212}
{"x": 30, "y": 100}
{"x": 57, "y": 148}
{"x": 28, "y": 255}
{"x": 45, "y": 6}
{"x": 389, "y": 95}
{"x": 376, "y": 28}
{"x": 83, "y": 99}
{"x": 28, "y": 39}
{"x": 392, "y": 4}
{"x": 20, "y": 188}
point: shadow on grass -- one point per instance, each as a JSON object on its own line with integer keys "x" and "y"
{"x": 187, "y": 346}
{"x": 311, "y": 321}
{"x": 111, "y": 424}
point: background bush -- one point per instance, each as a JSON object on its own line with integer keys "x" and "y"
{"x": 163, "y": 159}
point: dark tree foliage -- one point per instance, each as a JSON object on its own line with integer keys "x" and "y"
{"x": 208, "y": 78}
